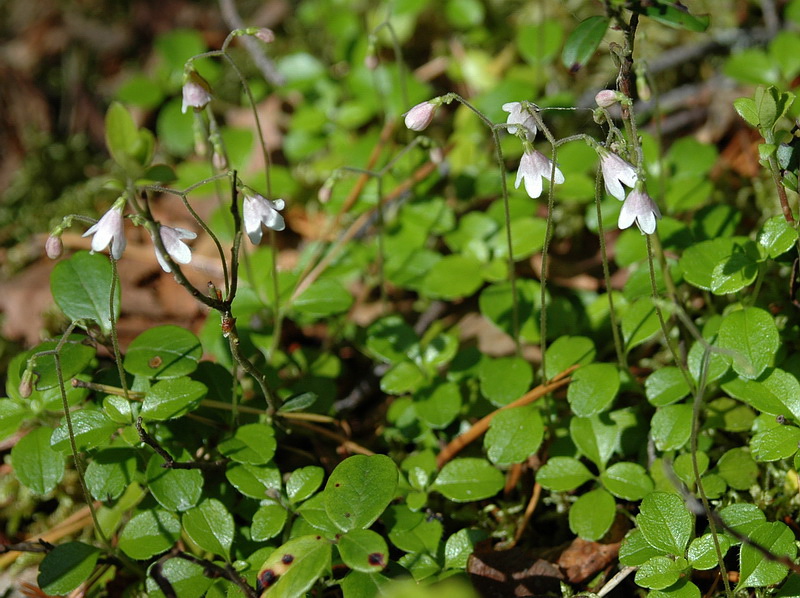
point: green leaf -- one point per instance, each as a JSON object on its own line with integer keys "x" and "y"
{"x": 11, "y": 417}
{"x": 766, "y": 107}
{"x": 163, "y": 352}
{"x": 566, "y": 351}
{"x": 252, "y": 443}
{"x": 391, "y": 339}
{"x": 210, "y": 526}
{"x": 174, "y": 489}
{"x": 756, "y": 571}
{"x": 296, "y": 566}
{"x": 776, "y": 443}
{"x": 752, "y": 333}
{"x": 303, "y": 482}
{"x": 671, "y": 426}
{"x": 91, "y": 429}
{"x": 255, "y": 481}
{"x": 403, "y": 377}
{"x": 496, "y": 304}
{"x": 540, "y": 43}
{"x": 81, "y": 288}
{"x": 583, "y": 41}
{"x": 185, "y": 577}
{"x": 468, "y": 479}
{"x": 110, "y": 472}
{"x": 168, "y": 399}
{"x": 413, "y": 531}
{"x": 673, "y": 14}
{"x": 438, "y": 404}
{"x": 639, "y": 322}
{"x": 737, "y": 270}
{"x": 66, "y": 567}
{"x": 742, "y": 517}
{"x": 683, "y": 588}
{"x": 460, "y": 546}
{"x": 268, "y": 522}
{"x": 453, "y": 277}
{"x": 363, "y": 585}
{"x": 777, "y": 236}
{"x": 738, "y": 468}
{"x": 628, "y": 481}
{"x": 562, "y": 474}
{"x": 363, "y": 550}
{"x": 702, "y": 553}
{"x": 593, "y": 388}
{"x": 699, "y": 260}
{"x": 746, "y": 107}
{"x": 73, "y": 358}
{"x": 150, "y": 533}
{"x": 36, "y": 464}
{"x": 313, "y": 512}
{"x": 359, "y": 490}
{"x": 122, "y": 135}
{"x": 597, "y": 437}
{"x": 505, "y": 379}
{"x": 636, "y": 550}
{"x": 325, "y": 297}
{"x": 660, "y": 572}
{"x": 666, "y": 386}
{"x": 775, "y": 392}
{"x": 591, "y": 516}
{"x": 514, "y": 435}
{"x": 527, "y": 237}
{"x": 665, "y": 522}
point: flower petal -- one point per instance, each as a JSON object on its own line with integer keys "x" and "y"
{"x": 627, "y": 214}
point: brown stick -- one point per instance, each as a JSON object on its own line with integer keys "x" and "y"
{"x": 480, "y": 427}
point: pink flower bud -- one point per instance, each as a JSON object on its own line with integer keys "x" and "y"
{"x": 219, "y": 161}
{"x": 26, "y": 384}
{"x": 265, "y": 35}
{"x": 606, "y": 98}
{"x": 420, "y": 116}
{"x": 53, "y": 247}
{"x": 324, "y": 194}
{"x": 371, "y": 62}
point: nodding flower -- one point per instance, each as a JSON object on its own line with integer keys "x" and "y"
{"x": 533, "y": 166}
{"x": 616, "y": 172}
{"x": 196, "y": 92}
{"x": 639, "y": 207}
{"x": 258, "y": 210}
{"x": 109, "y": 229}
{"x": 520, "y": 114}
{"x": 173, "y": 238}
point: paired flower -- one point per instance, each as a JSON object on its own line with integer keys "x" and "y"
{"x": 109, "y": 229}
{"x": 616, "y": 172}
{"x": 173, "y": 237}
{"x": 258, "y": 210}
{"x": 520, "y": 114}
{"x": 639, "y": 207}
{"x": 533, "y": 166}
{"x": 420, "y": 116}
{"x": 196, "y": 92}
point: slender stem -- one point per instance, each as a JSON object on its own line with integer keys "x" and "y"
{"x": 776, "y": 178}
{"x": 113, "y": 322}
{"x": 607, "y": 274}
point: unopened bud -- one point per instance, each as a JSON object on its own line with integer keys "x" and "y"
{"x": 26, "y": 384}
{"x": 325, "y": 192}
{"x": 436, "y": 154}
{"x": 53, "y": 247}
{"x": 219, "y": 161}
{"x": 371, "y": 62}
{"x": 606, "y": 98}
{"x": 420, "y": 116}
{"x": 265, "y": 35}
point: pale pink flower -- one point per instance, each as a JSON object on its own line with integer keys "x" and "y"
{"x": 616, "y": 172}
{"x": 606, "y": 98}
{"x": 640, "y": 208}
{"x": 520, "y": 114}
{"x": 533, "y": 166}
{"x": 173, "y": 238}
{"x": 257, "y": 211}
{"x": 109, "y": 229}
{"x": 54, "y": 247}
{"x": 196, "y": 92}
